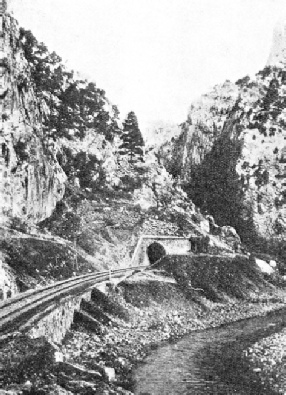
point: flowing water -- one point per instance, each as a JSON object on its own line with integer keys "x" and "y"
{"x": 209, "y": 361}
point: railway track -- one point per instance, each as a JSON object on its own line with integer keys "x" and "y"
{"x": 16, "y": 313}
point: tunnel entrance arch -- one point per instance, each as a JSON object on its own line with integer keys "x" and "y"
{"x": 155, "y": 251}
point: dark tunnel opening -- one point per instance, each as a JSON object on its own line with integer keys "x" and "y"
{"x": 155, "y": 251}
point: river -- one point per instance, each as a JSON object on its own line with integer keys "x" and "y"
{"x": 209, "y": 361}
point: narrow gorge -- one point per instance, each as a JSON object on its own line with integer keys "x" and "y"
{"x": 116, "y": 242}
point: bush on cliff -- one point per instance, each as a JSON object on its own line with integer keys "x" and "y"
{"x": 216, "y": 187}
{"x": 216, "y": 277}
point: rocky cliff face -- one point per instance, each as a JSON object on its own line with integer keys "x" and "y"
{"x": 31, "y": 180}
{"x": 232, "y": 154}
{"x": 204, "y": 124}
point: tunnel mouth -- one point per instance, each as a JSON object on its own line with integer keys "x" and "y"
{"x": 155, "y": 251}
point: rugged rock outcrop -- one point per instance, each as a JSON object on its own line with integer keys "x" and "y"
{"x": 204, "y": 124}
{"x": 231, "y": 154}
{"x": 8, "y": 284}
{"x": 31, "y": 180}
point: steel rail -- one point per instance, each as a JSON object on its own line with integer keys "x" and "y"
{"x": 24, "y": 295}
{"x": 17, "y": 310}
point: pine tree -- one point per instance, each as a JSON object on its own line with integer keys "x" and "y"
{"x": 132, "y": 140}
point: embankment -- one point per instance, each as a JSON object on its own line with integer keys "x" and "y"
{"x": 145, "y": 311}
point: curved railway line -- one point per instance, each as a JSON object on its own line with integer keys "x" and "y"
{"x": 17, "y": 312}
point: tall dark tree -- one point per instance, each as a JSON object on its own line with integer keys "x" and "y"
{"x": 132, "y": 141}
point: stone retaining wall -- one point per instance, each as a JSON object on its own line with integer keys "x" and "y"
{"x": 54, "y": 325}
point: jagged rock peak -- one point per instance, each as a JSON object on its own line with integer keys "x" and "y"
{"x": 277, "y": 55}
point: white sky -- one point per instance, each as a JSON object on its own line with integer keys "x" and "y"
{"x": 155, "y": 56}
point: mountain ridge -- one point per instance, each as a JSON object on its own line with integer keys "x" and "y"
{"x": 231, "y": 152}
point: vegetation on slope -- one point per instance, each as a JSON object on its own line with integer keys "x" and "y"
{"x": 81, "y": 124}
{"x": 230, "y": 156}
{"x": 218, "y": 277}
{"x": 72, "y": 105}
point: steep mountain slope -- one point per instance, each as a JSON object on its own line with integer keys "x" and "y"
{"x": 71, "y": 201}
{"x": 231, "y": 154}
{"x": 46, "y": 144}
{"x": 31, "y": 179}
{"x": 205, "y": 122}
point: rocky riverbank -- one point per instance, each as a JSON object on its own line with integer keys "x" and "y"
{"x": 99, "y": 353}
{"x": 158, "y": 311}
{"x": 267, "y": 359}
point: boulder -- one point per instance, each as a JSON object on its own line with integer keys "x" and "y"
{"x": 86, "y": 320}
{"x": 91, "y": 308}
{"x": 80, "y": 372}
{"x": 264, "y": 266}
{"x": 273, "y": 263}
{"x": 227, "y": 234}
{"x": 109, "y": 374}
{"x": 80, "y": 387}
